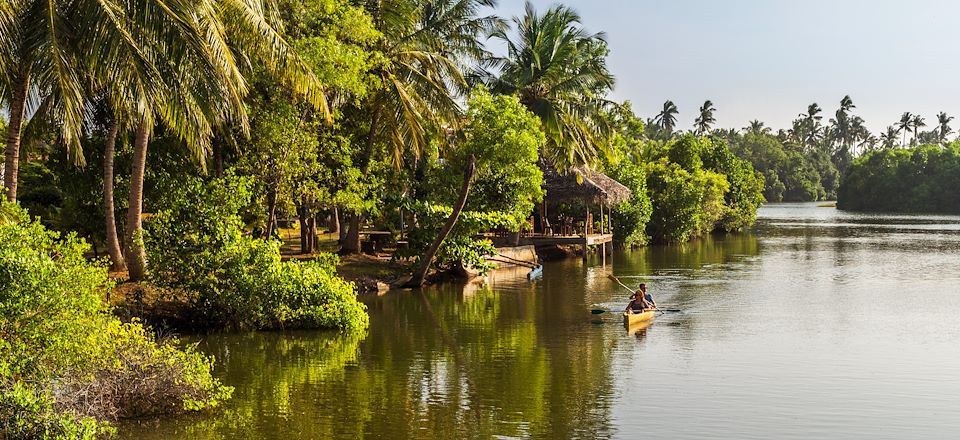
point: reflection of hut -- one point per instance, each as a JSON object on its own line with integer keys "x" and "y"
{"x": 589, "y": 187}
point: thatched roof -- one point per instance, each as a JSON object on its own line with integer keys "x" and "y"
{"x": 583, "y": 184}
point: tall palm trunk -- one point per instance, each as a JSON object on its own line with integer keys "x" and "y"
{"x": 427, "y": 260}
{"x": 136, "y": 255}
{"x": 18, "y": 105}
{"x": 113, "y": 243}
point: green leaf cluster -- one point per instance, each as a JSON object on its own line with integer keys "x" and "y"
{"x": 67, "y": 365}
{"x": 196, "y": 244}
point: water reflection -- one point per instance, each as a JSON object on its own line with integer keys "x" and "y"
{"x": 795, "y": 330}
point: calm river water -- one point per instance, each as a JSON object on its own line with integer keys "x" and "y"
{"x": 816, "y": 324}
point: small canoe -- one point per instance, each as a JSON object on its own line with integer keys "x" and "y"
{"x": 636, "y": 318}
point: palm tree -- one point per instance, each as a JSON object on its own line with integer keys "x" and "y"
{"x": 703, "y": 122}
{"x": 757, "y": 127}
{"x": 843, "y": 128}
{"x": 559, "y": 72}
{"x": 809, "y": 125}
{"x": 943, "y": 127}
{"x": 903, "y": 126}
{"x": 37, "y": 54}
{"x": 427, "y": 46}
{"x": 199, "y": 83}
{"x": 917, "y": 122}
{"x": 667, "y": 118}
{"x": 889, "y": 138}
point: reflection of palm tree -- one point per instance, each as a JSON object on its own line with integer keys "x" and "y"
{"x": 559, "y": 71}
{"x": 943, "y": 127}
{"x": 667, "y": 118}
{"x": 703, "y": 122}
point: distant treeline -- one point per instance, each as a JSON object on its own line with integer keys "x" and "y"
{"x": 920, "y": 179}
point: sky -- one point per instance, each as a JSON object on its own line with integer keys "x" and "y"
{"x": 769, "y": 59}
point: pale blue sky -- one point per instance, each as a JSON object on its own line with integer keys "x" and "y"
{"x": 769, "y": 59}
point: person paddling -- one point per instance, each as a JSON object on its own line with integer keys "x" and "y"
{"x": 641, "y": 301}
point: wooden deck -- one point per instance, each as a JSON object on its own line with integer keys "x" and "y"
{"x": 589, "y": 240}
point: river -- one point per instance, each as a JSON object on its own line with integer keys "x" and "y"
{"x": 815, "y": 324}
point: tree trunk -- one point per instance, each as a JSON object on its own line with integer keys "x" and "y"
{"x": 335, "y": 220}
{"x": 351, "y": 243}
{"x": 427, "y": 260}
{"x": 136, "y": 255}
{"x": 18, "y": 105}
{"x": 304, "y": 225}
{"x": 314, "y": 240}
{"x": 113, "y": 242}
{"x": 342, "y": 218}
{"x": 217, "y": 158}
{"x": 271, "y": 212}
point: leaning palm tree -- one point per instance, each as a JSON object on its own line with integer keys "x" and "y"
{"x": 427, "y": 45}
{"x": 667, "y": 118}
{"x": 705, "y": 120}
{"x": 559, "y": 72}
{"x": 943, "y": 127}
{"x": 916, "y": 123}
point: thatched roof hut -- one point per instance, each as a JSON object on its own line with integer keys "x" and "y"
{"x": 583, "y": 184}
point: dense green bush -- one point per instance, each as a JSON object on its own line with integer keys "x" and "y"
{"x": 195, "y": 244}
{"x": 921, "y": 179}
{"x": 685, "y": 204}
{"x": 698, "y": 186}
{"x": 630, "y": 218}
{"x": 67, "y": 365}
{"x": 746, "y": 185}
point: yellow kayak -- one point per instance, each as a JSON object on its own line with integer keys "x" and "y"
{"x": 636, "y": 318}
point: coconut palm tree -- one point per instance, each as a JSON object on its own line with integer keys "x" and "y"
{"x": 705, "y": 120}
{"x": 37, "y": 53}
{"x": 667, "y": 118}
{"x": 808, "y": 127}
{"x": 757, "y": 127}
{"x": 427, "y": 47}
{"x": 903, "y": 126}
{"x": 842, "y": 126}
{"x": 559, "y": 72}
{"x": 943, "y": 127}
{"x": 916, "y": 123}
{"x": 889, "y": 137}
{"x": 201, "y": 84}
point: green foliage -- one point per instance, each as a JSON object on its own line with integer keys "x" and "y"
{"x": 920, "y": 179}
{"x": 504, "y": 138}
{"x": 685, "y": 204}
{"x": 66, "y": 364}
{"x": 746, "y": 185}
{"x": 462, "y": 248}
{"x": 630, "y": 219}
{"x": 791, "y": 174}
{"x": 698, "y": 186}
{"x": 195, "y": 244}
